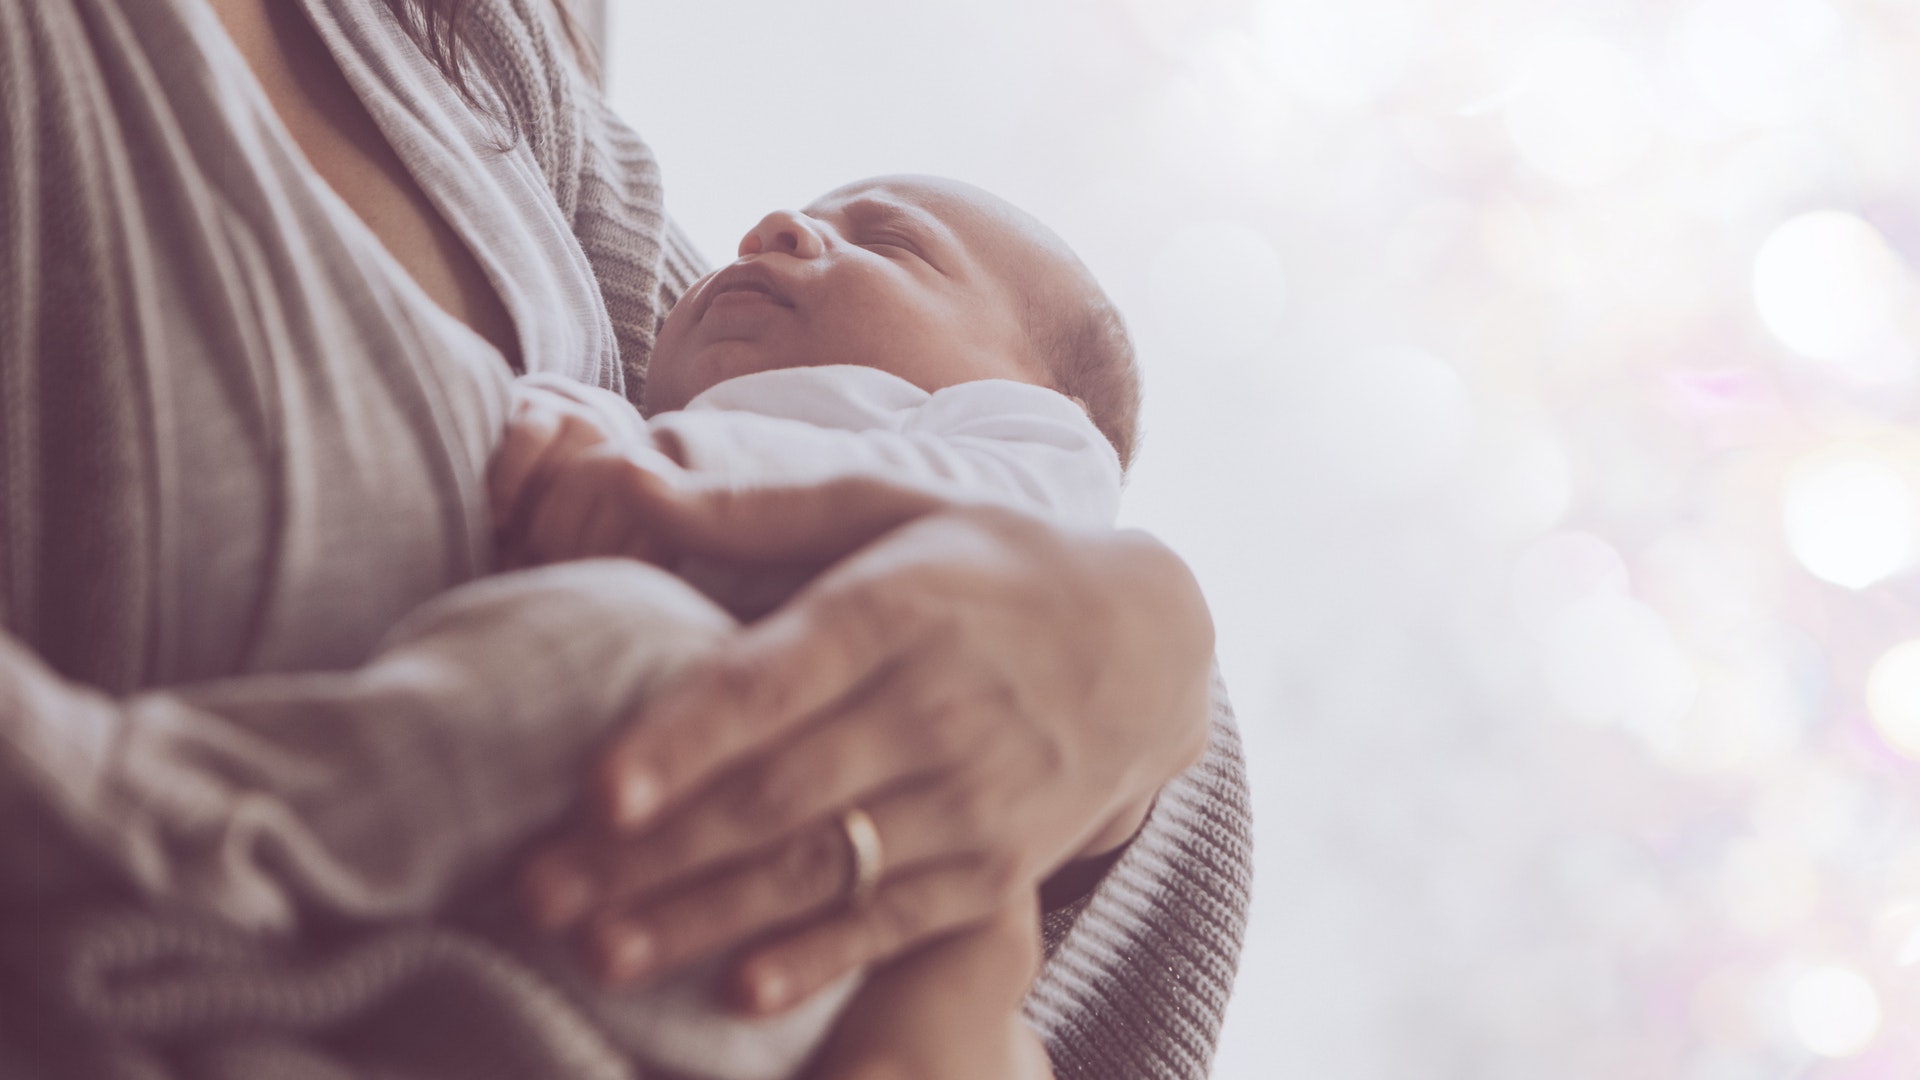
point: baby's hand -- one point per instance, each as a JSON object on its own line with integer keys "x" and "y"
{"x": 561, "y": 488}
{"x": 543, "y": 429}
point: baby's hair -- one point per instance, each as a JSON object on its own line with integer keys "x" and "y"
{"x": 1089, "y": 356}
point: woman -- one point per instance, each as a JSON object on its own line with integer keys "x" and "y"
{"x": 269, "y": 272}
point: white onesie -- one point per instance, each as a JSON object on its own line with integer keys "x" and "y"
{"x": 991, "y": 440}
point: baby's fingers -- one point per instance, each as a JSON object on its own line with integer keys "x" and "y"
{"x": 540, "y": 438}
{"x": 526, "y": 439}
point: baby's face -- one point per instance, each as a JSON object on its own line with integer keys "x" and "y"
{"x": 919, "y": 277}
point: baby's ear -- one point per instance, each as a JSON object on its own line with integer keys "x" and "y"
{"x": 1080, "y": 402}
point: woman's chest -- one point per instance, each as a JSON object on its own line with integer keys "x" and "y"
{"x": 340, "y": 139}
{"x": 322, "y": 414}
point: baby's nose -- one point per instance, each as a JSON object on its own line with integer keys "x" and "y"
{"x": 786, "y": 232}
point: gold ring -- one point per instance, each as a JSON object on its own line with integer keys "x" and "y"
{"x": 863, "y": 842}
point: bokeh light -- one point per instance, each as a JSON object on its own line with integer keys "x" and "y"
{"x": 1524, "y": 483}
{"x": 1341, "y": 55}
{"x": 1580, "y": 112}
{"x": 1762, "y": 61}
{"x": 1610, "y": 658}
{"x": 1388, "y": 423}
{"x": 1219, "y": 287}
{"x": 1767, "y": 888}
{"x": 1850, "y": 517}
{"x": 1830, "y": 288}
{"x": 1561, "y": 570}
{"x": 1893, "y": 697}
{"x": 1835, "y": 1010}
{"x": 1743, "y": 716}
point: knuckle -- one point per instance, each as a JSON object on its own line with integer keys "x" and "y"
{"x": 750, "y": 679}
{"x": 813, "y": 865}
{"x": 736, "y": 674}
{"x": 938, "y": 731}
{"x": 766, "y": 799}
{"x": 872, "y": 612}
{"x": 969, "y": 814}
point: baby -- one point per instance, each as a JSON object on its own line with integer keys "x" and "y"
{"x": 911, "y": 328}
{"x": 908, "y": 328}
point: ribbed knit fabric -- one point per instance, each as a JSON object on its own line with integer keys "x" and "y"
{"x": 1136, "y": 981}
{"x": 235, "y": 446}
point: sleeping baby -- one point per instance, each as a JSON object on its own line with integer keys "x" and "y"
{"x": 914, "y": 330}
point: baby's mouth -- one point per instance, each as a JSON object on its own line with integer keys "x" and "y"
{"x": 744, "y": 282}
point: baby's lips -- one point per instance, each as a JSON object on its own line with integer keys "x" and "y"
{"x": 749, "y": 275}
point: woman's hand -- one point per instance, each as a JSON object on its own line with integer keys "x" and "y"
{"x": 1000, "y": 695}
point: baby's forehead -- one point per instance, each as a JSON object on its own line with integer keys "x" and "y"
{"x": 1029, "y": 260}
{"x": 1001, "y": 231}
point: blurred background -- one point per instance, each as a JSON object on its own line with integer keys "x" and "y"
{"x": 1530, "y": 383}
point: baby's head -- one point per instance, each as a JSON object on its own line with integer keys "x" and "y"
{"x": 932, "y": 280}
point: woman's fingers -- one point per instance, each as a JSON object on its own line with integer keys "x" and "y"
{"x": 760, "y": 687}
{"x": 908, "y": 910}
{"x": 883, "y": 738}
{"x": 763, "y": 685}
{"x": 808, "y": 872}
{"x": 820, "y": 649}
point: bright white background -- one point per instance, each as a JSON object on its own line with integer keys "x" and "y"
{"x": 1530, "y": 383}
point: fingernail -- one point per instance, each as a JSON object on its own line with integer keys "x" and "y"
{"x": 628, "y": 954}
{"x": 635, "y": 800}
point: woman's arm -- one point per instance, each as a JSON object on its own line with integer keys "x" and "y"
{"x": 370, "y": 794}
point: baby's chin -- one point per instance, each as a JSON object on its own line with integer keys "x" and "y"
{"x": 675, "y": 376}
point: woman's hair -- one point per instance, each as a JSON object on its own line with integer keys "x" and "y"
{"x": 439, "y": 27}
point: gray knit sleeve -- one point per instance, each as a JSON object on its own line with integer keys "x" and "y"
{"x": 1138, "y": 973}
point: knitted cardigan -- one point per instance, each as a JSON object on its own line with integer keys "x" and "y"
{"x": 116, "y": 962}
